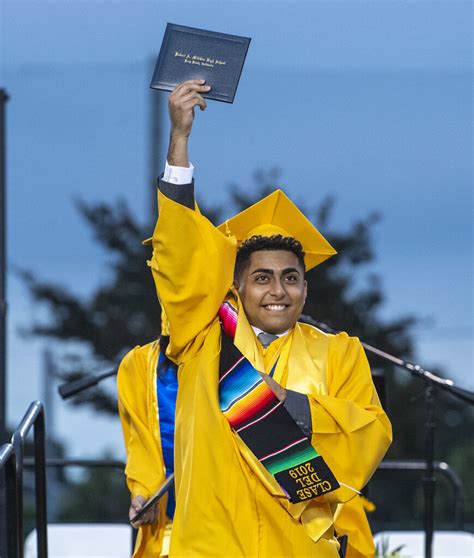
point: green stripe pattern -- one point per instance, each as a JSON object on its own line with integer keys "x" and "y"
{"x": 290, "y": 458}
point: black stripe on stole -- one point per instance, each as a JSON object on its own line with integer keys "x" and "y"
{"x": 229, "y": 354}
{"x": 277, "y": 433}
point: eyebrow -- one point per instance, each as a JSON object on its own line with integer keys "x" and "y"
{"x": 272, "y": 272}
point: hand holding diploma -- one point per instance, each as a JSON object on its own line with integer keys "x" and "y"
{"x": 181, "y": 104}
{"x": 188, "y": 53}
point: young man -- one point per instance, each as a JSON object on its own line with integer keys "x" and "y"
{"x": 147, "y": 387}
{"x": 276, "y": 422}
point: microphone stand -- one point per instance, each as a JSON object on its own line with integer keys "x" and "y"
{"x": 432, "y": 381}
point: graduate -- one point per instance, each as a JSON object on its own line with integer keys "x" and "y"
{"x": 277, "y": 423}
{"x": 147, "y": 388}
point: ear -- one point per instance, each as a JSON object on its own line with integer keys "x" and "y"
{"x": 236, "y": 283}
{"x": 305, "y": 289}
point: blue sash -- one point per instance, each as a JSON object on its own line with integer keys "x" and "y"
{"x": 167, "y": 390}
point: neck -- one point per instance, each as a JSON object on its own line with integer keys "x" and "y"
{"x": 258, "y": 330}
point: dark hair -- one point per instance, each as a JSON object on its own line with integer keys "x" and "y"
{"x": 257, "y": 243}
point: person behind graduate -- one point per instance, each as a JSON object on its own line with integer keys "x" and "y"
{"x": 277, "y": 423}
{"x": 147, "y": 387}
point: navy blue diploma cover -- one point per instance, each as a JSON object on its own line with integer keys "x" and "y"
{"x": 189, "y": 53}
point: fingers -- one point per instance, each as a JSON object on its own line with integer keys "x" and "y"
{"x": 148, "y": 518}
{"x": 154, "y": 513}
{"x": 201, "y": 102}
{"x": 277, "y": 389}
{"x": 197, "y": 85}
{"x": 151, "y": 516}
{"x": 189, "y": 94}
{"x": 182, "y": 101}
{"x": 190, "y": 101}
{"x": 193, "y": 101}
{"x": 135, "y": 506}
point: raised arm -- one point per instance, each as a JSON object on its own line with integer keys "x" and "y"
{"x": 177, "y": 181}
{"x": 182, "y": 103}
{"x": 192, "y": 261}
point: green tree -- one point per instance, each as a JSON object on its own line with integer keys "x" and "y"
{"x": 120, "y": 314}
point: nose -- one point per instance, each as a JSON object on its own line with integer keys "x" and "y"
{"x": 277, "y": 288}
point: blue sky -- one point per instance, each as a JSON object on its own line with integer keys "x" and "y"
{"x": 368, "y": 101}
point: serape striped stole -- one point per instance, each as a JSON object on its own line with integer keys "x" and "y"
{"x": 265, "y": 426}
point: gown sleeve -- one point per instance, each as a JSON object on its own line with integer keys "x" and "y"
{"x": 145, "y": 468}
{"x": 351, "y": 520}
{"x": 350, "y": 429}
{"x": 192, "y": 267}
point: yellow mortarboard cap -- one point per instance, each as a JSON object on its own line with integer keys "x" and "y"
{"x": 277, "y": 214}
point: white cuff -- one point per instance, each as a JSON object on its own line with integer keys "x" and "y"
{"x": 178, "y": 175}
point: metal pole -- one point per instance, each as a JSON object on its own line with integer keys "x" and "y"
{"x": 3, "y": 317}
{"x": 3, "y": 265}
{"x": 40, "y": 485}
{"x": 11, "y": 543}
{"x": 429, "y": 480}
{"x": 17, "y": 441}
{"x": 34, "y": 416}
{"x": 156, "y": 156}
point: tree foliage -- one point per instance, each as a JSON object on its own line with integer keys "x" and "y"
{"x": 118, "y": 315}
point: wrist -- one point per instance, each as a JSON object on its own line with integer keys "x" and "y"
{"x": 178, "y": 150}
{"x": 179, "y": 134}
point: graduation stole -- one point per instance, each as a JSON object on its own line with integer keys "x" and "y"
{"x": 262, "y": 422}
{"x": 166, "y": 392}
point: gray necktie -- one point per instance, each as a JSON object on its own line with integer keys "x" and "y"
{"x": 266, "y": 338}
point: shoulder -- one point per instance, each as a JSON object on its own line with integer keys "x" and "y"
{"x": 334, "y": 342}
{"x": 136, "y": 362}
{"x": 343, "y": 342}
{"x": 337, "y": 347}
{"x": 345, "y": 351}
{"x": 311, "y": 332}
{"x": 141, "y": 353}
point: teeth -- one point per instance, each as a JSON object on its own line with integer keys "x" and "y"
{"x": 275, "y": 307}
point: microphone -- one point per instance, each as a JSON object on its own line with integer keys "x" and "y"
{"x": 76, "y": 386}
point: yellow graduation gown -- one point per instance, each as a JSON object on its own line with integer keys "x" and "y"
{"x": 139, "y": 414}
{"x": 227, "y": 505}
{"x": 138, "y": 408}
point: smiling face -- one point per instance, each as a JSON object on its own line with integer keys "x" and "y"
{"x": 272, "y": 289}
